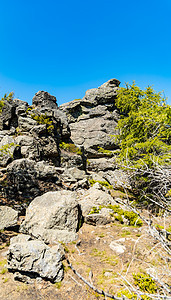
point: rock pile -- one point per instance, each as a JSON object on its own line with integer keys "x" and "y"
{"x": 50, "y": 157}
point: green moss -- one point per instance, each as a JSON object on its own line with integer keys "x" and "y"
{"x": 112, "y": 259}
{"x": 118, "y": 213}
{"x": 58, "y": 285}
{"x": 103, "y": 183}
{"x": 133, "y": 218}
{"x": 3, "y": 262}
{"x": 3, "y": 271}
{"x": 125, "y": 233}
{"x": 70, "y": 148}
{"x": 94, "y": 210}
{"x": 65, "y": 247}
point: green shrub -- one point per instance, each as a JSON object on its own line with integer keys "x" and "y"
{"x": 43, "y": 119}
{"x": 145, "y": 283}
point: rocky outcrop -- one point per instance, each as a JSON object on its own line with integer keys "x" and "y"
{"x": 93, "y": 119}
{"x": 57, "y": 164}
{"x": 35, "y": 258}
{"x": 54, "y": 216}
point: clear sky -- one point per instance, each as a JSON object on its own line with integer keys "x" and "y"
{"x": 67, "y": 47}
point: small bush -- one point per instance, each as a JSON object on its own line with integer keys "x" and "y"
{"x": 145, "y": 283}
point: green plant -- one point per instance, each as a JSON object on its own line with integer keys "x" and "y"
{"x": 3, "y": 271}
{"x": 145, "y": 283}
{"x": 127, "y": 294}
{"x": 103, "y": 183}
{"x": 43, "y": 119}
{"x": 5, "y": 149}
{"x": 70, "y": 147}
{"x": 106, "y": 152}
{"x": 145, "y": 141}
{"x": 145, "y": 126}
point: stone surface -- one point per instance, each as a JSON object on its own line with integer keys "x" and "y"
{"x": 117, "y": 248}
{"x": 8, "y": 217}
{"x": 53, "y": 216}
{"x": 94, "y": 197}
{"x": 93, "y": 119}
{"x": 97, "y": 219}
{"x": 35, "y": 257}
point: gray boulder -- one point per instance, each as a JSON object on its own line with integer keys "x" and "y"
{"x": 54, "y": 216}
{"x": 94, "y": 197}
{"x": 8, "y": 217}
{"x": 94, "y": 118}
{"x": 44, "y": 99}
{"x": 35, "y": 257}
{"x": 25, "y": 124}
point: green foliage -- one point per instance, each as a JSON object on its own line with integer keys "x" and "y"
{"x": 106, "y": 152}
{"x": 145, "y": 126}
{"x": 118, "y": 213}
{"x": 127, "y": 294}
{"x": 133, "y": 218}
{"x": 5, "y": 150}
{"x": 103, "y": 183}
{"x": 145, "y": 283}
{"x": 8, "y": 97}
{"x": 70, "y": 147}
{"x": 43, "y": 119}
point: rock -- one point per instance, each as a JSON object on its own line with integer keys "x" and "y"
{"x": 7, "y": 148}
{"x": 97, "y": 219}
{"x": 118, "y": 178}
{"x": 29, "y": 147}
{"x": 53, "y": 216}
{"x": 8, "y": 217}
{"x": 119, "y": 249}
{"x": 25, "y": 124}
{"x": 94, "y": 197}
{"x": 35, "y": 258}
{"x": 93, "y": 119}
{"x": 43, "y": 99}
{"x": 8, "y": 117}
{"x": 73, "y": 175}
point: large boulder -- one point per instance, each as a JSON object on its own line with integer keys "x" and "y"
{"x": 8, "y": 217}
{"x": 33, "y": 257}
{"x": 94, "y": 118}
{"x": 54, "y": 216}
{"x": 94, "y": 197}
{"x": 44, "y": 99}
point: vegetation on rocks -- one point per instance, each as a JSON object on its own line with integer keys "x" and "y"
{"x": 70, "y": 147}
{"x": 43, "y": 119}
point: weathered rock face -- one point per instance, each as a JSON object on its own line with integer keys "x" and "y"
{"x": 54, "y": 216}
{"x": 35, "y": 257}
{"x": 94, "y": 197}
{"x": 93, "y": 119}
{"x": 8, "y": 217}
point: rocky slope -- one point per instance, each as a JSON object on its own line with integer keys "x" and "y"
{"x": 59, "y": 184}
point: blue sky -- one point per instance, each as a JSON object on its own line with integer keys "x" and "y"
{"x": 68, "y": 47}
